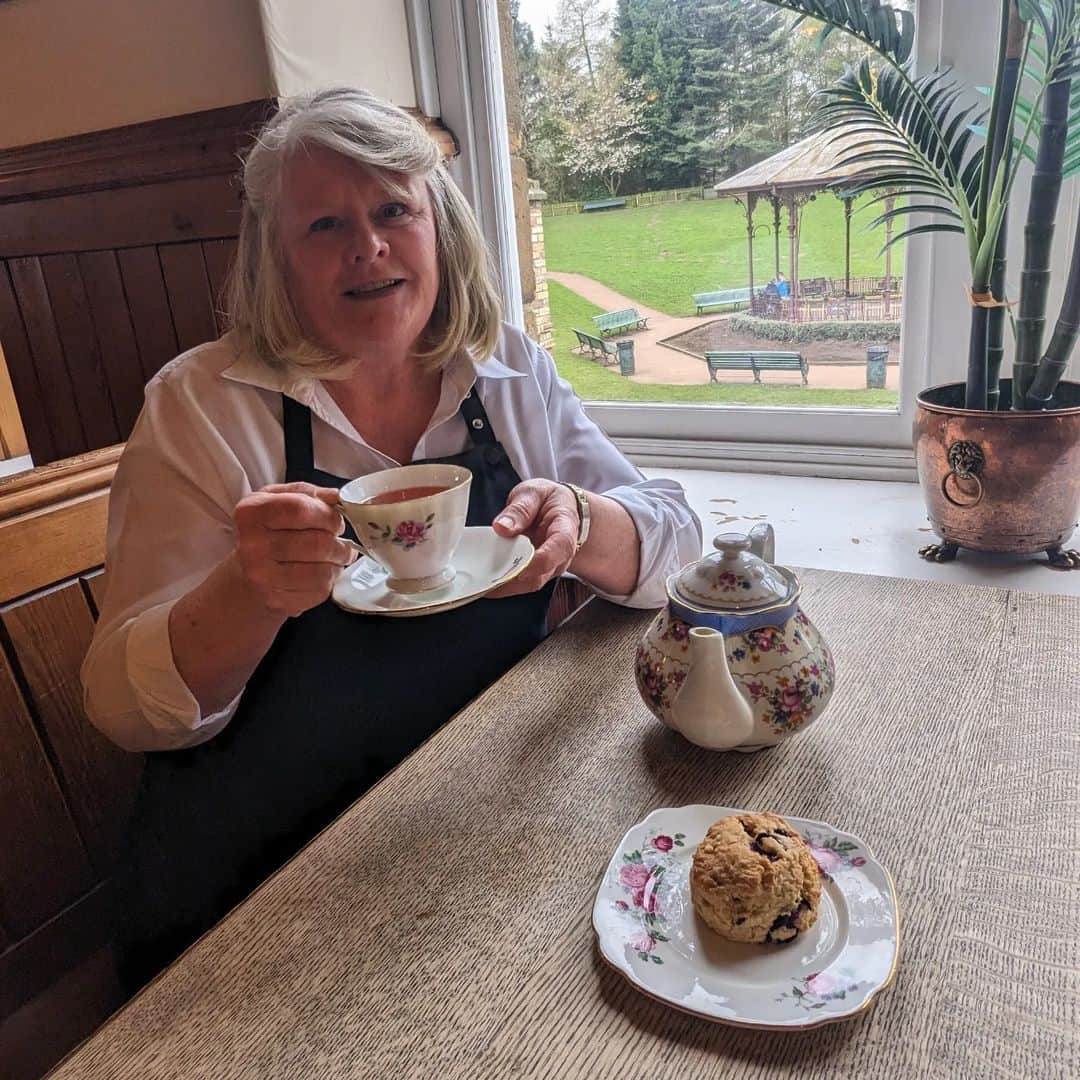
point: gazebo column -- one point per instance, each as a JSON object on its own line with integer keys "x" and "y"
{"x": 847, "y": 245}
{"x": 793, "y": 256}
{"x": 776, "y": 233}
{"x": 749, "y": 205}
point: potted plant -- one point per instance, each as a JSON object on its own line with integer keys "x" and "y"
{"x": 998, "y": 459}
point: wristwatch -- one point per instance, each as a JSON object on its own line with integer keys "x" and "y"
{"x": 584, "y": 517}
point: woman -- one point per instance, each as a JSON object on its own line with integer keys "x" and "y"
{"x": 365, "y": 335}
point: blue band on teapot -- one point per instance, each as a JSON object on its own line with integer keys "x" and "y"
{"x": 734, "y": 624}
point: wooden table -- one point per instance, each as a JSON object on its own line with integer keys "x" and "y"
{"x": 441, "y": 927}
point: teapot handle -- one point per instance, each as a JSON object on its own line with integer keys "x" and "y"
{"x": 763, "y": 542}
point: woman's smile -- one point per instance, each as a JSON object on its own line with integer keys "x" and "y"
{"x": 373, "y": 290}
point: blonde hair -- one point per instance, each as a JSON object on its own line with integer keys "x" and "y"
{"x": 384, "y": 140}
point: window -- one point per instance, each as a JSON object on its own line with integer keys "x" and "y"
{"x": 832, "y": 440}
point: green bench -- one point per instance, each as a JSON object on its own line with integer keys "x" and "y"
{"x": 703, "y": 300}
{"x": 757, "y": 362}
{"x": 597, "y": 348}
{"x": 615, "y": 322}
{"x": 602, "y": 204}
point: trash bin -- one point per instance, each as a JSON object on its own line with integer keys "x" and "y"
{"x": 626, "y": 357}
{"x": 876, "y": 357}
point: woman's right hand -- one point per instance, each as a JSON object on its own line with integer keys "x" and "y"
{"x": 287, "y": 545}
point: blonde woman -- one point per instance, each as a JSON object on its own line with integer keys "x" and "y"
{"x": 365, "y": 335}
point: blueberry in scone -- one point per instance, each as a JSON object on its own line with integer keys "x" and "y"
{"x": 754, "y": 879}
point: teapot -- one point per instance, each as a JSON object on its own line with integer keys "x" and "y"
{"x": 732, "y": 662}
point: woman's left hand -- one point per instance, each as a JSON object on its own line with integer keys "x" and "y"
{"x": 547, "y": 513}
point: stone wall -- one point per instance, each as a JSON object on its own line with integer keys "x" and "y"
{"x": 538, "y": 310}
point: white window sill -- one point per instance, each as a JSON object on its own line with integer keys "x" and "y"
{"x": 861, "y": 526}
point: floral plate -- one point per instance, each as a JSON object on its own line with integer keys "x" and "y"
{"x": 647, "y": 929}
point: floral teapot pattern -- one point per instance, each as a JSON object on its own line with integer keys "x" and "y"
{"x": 732, "y": 662}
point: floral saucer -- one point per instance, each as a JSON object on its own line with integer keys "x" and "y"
{"x": 483, "y": 561}
{"x": 647, "y": 929}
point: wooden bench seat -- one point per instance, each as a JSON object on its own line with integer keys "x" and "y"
{"x": 615, "y": 322}
{"x": 755, "y": 362}
{"x": 720, "y": 297}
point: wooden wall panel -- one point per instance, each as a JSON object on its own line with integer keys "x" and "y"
{"x": 148, "y": 305}
{"x": 200, "y": 209}
{"x": 218, "y": 256}
{"x": 20, "y": 366}
{"x": 44, "y": 865}
{"x": 188, "y": 289}
{"x": 119, "y": 352}
{"x": 94, "y": 584}
{"x": 49, "y": 635}
{"x": 52, "y": 544}
{"x": 81, "y": 349}
{"x": 53, "y": 377}
{"x": 12, "y": 436}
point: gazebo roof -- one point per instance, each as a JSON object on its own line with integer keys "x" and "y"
{"x": 808, "y": 165}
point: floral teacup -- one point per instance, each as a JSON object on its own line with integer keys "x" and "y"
{"x": 410, "y": 520}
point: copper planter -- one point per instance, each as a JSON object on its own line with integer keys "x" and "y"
{"x": 999, "y": 481}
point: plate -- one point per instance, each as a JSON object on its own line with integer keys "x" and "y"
{"x": 483, "y": 561}
{"x": 647, "y": 929}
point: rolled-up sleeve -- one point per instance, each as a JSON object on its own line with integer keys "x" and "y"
{"x": 669, "y": 532}
{"x": 169, "y": 525}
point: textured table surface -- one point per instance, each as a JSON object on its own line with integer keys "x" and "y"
{"x": 441, "y": 927}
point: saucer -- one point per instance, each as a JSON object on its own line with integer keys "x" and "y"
{"x": 483, "y": 561}
{"x": 646, "y": 929}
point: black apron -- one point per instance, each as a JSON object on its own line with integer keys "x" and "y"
{"x": 337, "y": 701}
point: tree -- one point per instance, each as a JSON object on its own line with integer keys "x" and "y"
{"x": 604, "y": 126}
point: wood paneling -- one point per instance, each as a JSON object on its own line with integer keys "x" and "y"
{"x": 189, "y": 294}
{"x": 148, "y": 306}
{"x": 94, "y": 584}
{"x": 115, "y": 332}
{"x": 197, "y": 144}
{"x": 199, "y": 209}
{"x": 29, "y": 966}
{"x": 80, "y": 348}
{"x": 218, "y": 256}
{"x": 49, "y": 635}
{"x": 44, "y": 865}
{"x": 53, "y": 377}
{"x": 20, "y": 363}
{"x": 52, "y": 544}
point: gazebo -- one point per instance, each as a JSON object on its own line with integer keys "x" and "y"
{"x": 791, "y": 178}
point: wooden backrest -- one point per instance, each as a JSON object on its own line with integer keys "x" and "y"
{"x": 65, "y": 790}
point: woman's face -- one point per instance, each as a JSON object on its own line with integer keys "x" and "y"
{"x": 361, "y": 263}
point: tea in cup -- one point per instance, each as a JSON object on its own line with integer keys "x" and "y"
{"x": 410, "y": 520}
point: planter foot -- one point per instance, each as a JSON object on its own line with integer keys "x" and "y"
{"x": 1063, "y": 559}
{"x": 939, "y": 552}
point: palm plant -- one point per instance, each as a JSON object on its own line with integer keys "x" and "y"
{"x": 923, "y": 137}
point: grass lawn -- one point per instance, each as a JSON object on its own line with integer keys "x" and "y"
{"x": 660, "y": 255}
{"x": 595, "y": 383}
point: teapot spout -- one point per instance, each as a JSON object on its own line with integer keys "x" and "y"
{"x": 709, "y": 709}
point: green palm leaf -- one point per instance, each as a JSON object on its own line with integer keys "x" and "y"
{"x": 886, "y": 29}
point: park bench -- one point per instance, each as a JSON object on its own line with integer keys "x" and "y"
{"x": 614, "y": 322}
{"x": 602, "y": 204}
{"x": 756, "y": 362}
{"x": 598, "y": 348}
{"x": 703, "y": 300}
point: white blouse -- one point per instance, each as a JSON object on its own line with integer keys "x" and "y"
{"x": 210, "y": 433}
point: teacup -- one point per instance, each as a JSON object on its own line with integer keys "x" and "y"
{"x": 410, "y": 520}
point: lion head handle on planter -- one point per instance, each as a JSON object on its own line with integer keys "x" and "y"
{"x": 732, "y": 662}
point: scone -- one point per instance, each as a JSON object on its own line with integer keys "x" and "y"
{"x": 754, "y": 879}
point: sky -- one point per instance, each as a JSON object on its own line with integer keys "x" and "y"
{"x": 537, "y": 13}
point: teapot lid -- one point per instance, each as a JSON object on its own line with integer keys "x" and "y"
{"x": 734, "y": 580}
